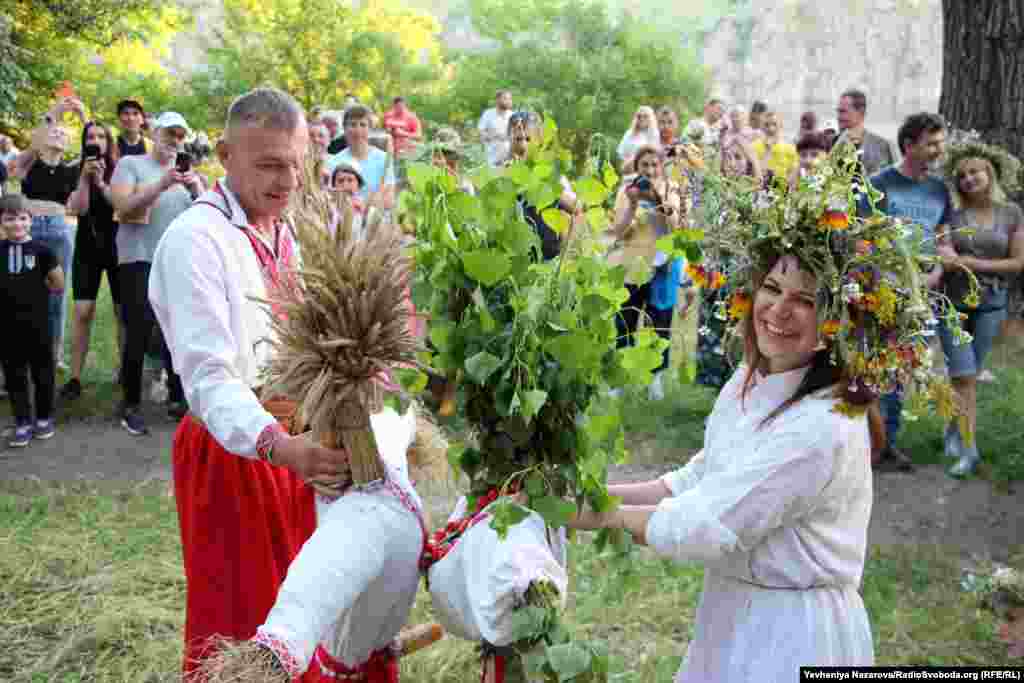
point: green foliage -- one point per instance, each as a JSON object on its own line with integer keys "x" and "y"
{"x": 319, "y": 51}
{"x": 534, "y": 342}
{"x": 574, "y": 61}
{"x": 43, "y": 43}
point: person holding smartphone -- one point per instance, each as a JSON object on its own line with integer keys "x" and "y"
{"x": 95, "y": 250}
{"x": 148, "y": 192}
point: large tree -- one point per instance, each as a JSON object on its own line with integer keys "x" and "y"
{"x": 983, "y": 69}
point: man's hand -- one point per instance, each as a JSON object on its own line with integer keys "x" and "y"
{"x": 309, "y": 460}
{"x": 948, "y": 255}
{"x": 174, "y": 177}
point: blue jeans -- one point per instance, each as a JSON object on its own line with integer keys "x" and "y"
{"x": 983, "y": 323}
{"x": 891, "y": 407}
{"x": 55, "y": 233}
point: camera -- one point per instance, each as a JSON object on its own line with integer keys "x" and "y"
{"x": 183, "y": 162}
{"x": 642, "y": 184}
{"x": 91, "y": 153}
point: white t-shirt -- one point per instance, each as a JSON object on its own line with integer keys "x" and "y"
{"x": 494, "y": 123}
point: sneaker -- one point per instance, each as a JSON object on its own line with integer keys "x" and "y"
{"x": 131, "y": 420}
{"x": 44, "y": 429}
{"x": 177, "y": 409}
{"x": 72, "y": 390}
{"x": 9, "y": 431}
{"x": 22, "y": 435}
{"x": 894, "y": 460}
{"x": 63, "y": 367}
{"x": 986, "y": 376}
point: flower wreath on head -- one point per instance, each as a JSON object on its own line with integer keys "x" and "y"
{"x": 968, "y": 145}
{"x": 875, "y": 313}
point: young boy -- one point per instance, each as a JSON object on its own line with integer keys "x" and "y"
{"x": 29, "y": 272}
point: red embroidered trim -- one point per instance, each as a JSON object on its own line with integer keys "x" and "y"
{"x": 333, "y": 668}
{"x": 443, "y": 541}
{"x": 267, "y": 439}
{"x": 280, "y": 647}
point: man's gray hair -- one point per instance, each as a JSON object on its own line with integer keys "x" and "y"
{"x": 266, "y": 107}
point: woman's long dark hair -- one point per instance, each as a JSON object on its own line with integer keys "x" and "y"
{"x": 110, "y": 156}
{"x": 821, "y": 375}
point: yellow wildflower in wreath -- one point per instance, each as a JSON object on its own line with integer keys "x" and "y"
{"x": 740, "y": 305}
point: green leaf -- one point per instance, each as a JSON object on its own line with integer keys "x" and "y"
{"x": 640, "y": 362}
{"x": 544, "y": 195}
{"x": 568, "y": 660}
{"x": 420, "y": 175}
{"x": 412, "y": 380}
{"x": 505, "y": 515}
{"x": 527, "y": 622}
{"x": 520, "y": 174}
{"x": 542, "y": 172}
{"x": 597, "y": 217}
{"x": 591, "y": 191}
{"x": 555, "y": 511}
{"x": 535, "y": 485}
{"x": 532, "y": 402}
{"x": 454, "y": 455}
{"x": 481, "y": 366}
{"x": 486, "y": 266}
{"x": 557, "y": 219}
{"x": 610, "y": 177}
{"x": 440, "y": 335}
{"x": 574, "y": 350}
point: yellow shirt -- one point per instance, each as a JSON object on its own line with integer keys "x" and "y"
{"x": 781, "y": 160}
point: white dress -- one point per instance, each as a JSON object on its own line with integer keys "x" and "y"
{"x": 779, "y": 517}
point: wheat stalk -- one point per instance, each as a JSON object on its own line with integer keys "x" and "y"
{"x": 341, "y": 325}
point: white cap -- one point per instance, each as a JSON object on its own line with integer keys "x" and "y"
{"x": 172, "y": 119}
{"x": 831, "y": 124}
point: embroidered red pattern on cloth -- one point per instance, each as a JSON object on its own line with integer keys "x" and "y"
{"x": 381, "y": 667}
{"x": 282, "y": 650}
{"x": 444, "y": 540}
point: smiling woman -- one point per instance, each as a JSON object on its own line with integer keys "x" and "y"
{"x": 777, "y": 503}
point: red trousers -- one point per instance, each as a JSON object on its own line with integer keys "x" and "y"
{"x": 382, "y": 667}
{"x": 242, "y": 522}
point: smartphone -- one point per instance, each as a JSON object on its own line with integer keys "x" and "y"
{"x": 92, "y": 152}
{"x": 183, "y": 162}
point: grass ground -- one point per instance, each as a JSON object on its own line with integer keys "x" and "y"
{"x": 91, "y": 589}
{"x": 91, "y": 584}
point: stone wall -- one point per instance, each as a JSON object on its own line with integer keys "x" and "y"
{"x": 799, "y": 55}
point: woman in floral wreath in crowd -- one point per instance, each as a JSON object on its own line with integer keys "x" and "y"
{"x": 777, "y": 503}
{"x": 986, "y": 236}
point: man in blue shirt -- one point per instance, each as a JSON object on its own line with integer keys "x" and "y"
{"x": 913, "y": 194}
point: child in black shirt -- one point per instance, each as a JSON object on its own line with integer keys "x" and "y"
{"x": 29, "y": 272}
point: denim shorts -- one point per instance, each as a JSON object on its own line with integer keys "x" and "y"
{"x": 967, "y": 360}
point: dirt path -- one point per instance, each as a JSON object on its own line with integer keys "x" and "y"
{"x": 923, "y": 507}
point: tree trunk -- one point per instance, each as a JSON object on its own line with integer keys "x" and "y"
{"x": 983, "y": 69}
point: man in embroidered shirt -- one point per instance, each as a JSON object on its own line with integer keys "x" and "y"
{"x": 245, "y": 506}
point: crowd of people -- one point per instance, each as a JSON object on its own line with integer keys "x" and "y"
{"x": 776, "y": 504}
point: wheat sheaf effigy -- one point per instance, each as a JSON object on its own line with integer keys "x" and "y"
{"x": 340, "y": 328}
